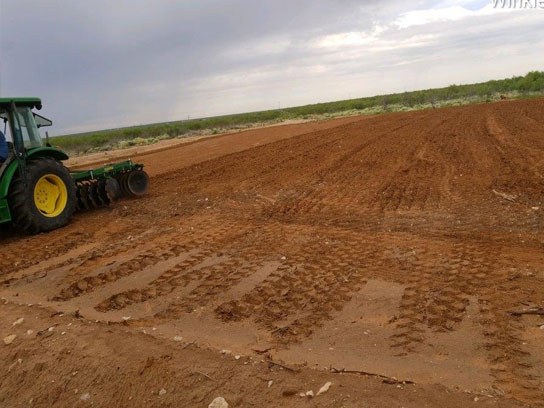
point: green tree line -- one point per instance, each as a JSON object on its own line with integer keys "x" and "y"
{"x": 530, "y": 84}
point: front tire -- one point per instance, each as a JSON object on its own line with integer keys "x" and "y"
{"x": 46, "y": 200}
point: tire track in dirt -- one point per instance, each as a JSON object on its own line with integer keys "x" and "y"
{"x": 201, "y": 268}
{"x": 305, "y": 290}
{"x": 439, "y": 292}
{"x": 148, "y": 258}
{"x": 159, "y": 253}
{"x": 437, "y": 298}
{"x": 85, "y": 258}
{"x": 512, "y": 366}
{"x": 178, "y": 276}
{"x": 211, "y": 282}
{"x": 18, "y": 257}
{"x": 201, "y": 280}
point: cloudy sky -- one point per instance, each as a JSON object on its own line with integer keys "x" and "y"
{"x": 101, "y": 64}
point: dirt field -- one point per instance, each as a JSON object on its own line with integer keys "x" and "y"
{"x": 392, "y": 246}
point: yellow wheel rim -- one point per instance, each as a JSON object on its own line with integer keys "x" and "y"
{"x": 50, "y": 195}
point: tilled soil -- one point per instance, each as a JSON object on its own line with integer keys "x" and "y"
{"x": 394, "y": 247}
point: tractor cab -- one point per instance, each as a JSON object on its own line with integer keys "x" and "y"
{"x": 21, "y": 126}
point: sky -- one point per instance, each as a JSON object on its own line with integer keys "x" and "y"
{"x": 105, "y": 64}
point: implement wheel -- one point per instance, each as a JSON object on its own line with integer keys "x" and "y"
{"x": 135, "y": 183}
{"x": 44, "y": 201}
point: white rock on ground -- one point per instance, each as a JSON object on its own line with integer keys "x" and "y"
{"x": 18, "y": 321}
{"x": 219, "y": 402}
{"x": 162, "y": 391}
{"x": 9, "y": 339}
{"x": 324, "y": 389}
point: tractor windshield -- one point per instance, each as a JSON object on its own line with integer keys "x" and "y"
{"x": 29, "y": 131}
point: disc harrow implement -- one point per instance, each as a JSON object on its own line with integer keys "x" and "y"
{"x": 101, "y": 186}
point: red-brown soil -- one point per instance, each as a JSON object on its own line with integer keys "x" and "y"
{"x": 394, "y": 245}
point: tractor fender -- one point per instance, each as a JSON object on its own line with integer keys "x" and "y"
{"x": 46, "y": 151}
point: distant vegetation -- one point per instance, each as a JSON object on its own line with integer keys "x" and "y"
{"x": 529, "y": 85}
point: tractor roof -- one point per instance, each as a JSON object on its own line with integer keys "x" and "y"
{"x": 21, "y": 101}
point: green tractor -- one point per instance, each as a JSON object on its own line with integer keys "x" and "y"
{"x": 37, "y": 192}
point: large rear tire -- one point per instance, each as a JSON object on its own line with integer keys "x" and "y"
{"x": 44, "y": 201}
